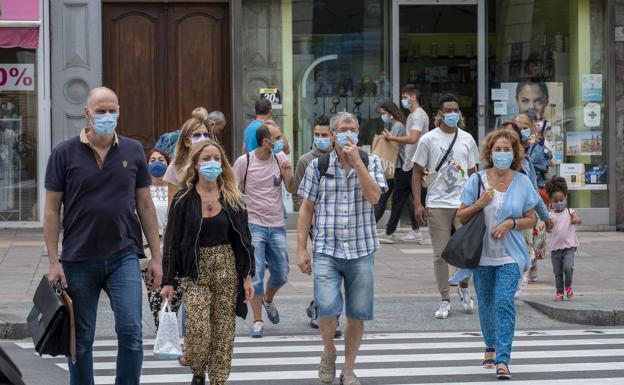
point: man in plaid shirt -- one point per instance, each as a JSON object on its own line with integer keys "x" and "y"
{"x": 345, "y": 238}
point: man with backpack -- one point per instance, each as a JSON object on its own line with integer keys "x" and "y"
{"x": 341, "y": 188}
{"x": 260, "y": 175}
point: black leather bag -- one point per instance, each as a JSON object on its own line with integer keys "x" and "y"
{"x": 9, "y": 373}
{"x": 464, "y": 248}
{"x": 49, "y": 320}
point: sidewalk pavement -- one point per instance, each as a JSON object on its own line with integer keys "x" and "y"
{"x": 403, "y": 271}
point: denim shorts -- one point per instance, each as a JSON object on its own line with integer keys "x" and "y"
{"x": 329, "y": 272}
{"x": 270, "y": 250}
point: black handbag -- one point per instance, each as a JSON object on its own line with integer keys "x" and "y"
{"x": 51, "y": 320}
{"x": 9, "y": 373}
{"x": 464, "y": 248}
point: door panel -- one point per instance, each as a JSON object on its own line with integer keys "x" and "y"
{"x": 164, "y": 60}
{"x": 134, "y": 61}
{"x": 198, "y": 42}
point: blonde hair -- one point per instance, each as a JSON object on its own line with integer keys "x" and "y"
{"x": 228, "y": 186}
{"x": 524, "y": 119}
{"x": 513, "y": 138}
{"x": 183, "y": 145}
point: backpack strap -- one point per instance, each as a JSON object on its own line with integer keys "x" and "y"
{"x": 323, "y": 163}
{"x": 246, "y": 169}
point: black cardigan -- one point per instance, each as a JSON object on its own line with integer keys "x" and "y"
{"x": 181, "y": 246}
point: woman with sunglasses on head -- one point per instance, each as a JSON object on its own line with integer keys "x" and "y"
{"x": 193, "y": 131}
{"x": 208, "y": 245}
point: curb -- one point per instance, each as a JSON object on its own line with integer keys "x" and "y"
{"x": 584, "y": 317}
{"x": 13, "y": 330}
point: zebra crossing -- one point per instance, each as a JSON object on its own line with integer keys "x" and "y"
{"x": 546, "y": 357}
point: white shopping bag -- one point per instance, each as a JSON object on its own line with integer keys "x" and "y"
{"x": 167, "y": 345}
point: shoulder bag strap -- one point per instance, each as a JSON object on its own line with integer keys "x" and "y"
{"x": 448, "y": 151}
{"x": 246, "y": 169}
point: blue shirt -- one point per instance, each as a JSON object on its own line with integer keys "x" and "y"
{"x": 519, "y": 198}
{"x": 250, "y": 135}
{"x": 99, "y": 197}
{"x": 344, "y": 221}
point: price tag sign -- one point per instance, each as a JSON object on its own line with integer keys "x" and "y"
{"x": 17, "y": 77}
{"x": 273, "y": 95}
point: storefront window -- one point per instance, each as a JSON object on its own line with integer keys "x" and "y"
{"x": 18, "y": 135}
{"x": 322, "y": 57}
{"x": 548, "y": 59}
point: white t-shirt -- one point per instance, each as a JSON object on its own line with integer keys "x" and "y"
{"x": 494, "y": 252}
{"x": 445, "y": 191}
{"x": 419, "y": 121}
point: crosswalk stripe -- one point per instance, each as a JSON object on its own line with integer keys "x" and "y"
{"x": 314, "y": 360}
{"x": 478, "y": 343}
{"x": 581, "y": 356}
{"x": 380, "y": 336}
{"x": 391, "y": 372}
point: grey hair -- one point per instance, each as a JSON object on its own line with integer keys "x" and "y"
{"x": 217, "y": 117}
{"x": 97, "y": 90}
{"x": 343, "y": 117}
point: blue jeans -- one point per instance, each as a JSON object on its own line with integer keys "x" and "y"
{"x": 495, "y": 287}
{"x": 359, "y": 284}
{"x": 120, "y": 277}
{"x": 270, "y": 249}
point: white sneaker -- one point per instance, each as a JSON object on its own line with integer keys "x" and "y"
{"x": 466, "y": 299}
{"x": 412, "y": 236}
{"x": 257, "y": 329}
{"x": 387, "y": 239}
{"x": 443, "y": 311}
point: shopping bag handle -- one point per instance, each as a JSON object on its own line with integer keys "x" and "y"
{"x": 165, "y": 306}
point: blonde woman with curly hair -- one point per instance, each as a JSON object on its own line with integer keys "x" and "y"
{"x": 508, "y": 201}
{"x": 208, "y": 245}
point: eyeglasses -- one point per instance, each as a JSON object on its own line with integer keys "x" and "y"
{"x": 199, "y": 135}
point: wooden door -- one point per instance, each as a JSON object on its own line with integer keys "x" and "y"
{"x": 199, "y": 61}
{"x": 164, "y": 60}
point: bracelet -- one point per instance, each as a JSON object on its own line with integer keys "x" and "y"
{"x": 514, "y": 223}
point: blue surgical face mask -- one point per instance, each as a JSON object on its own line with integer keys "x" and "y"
{"x": 559, "y": 206}
{"x": 278, "y": 146}
{"x": 343, "y": 137}
{"x": 525, "y": 134}
{"x": 322, "y": 143}
{"x": 157, "y": 169}
{"x": 502, "y": 160}
{"x": 405, "y": 103}
{"x": 105, "y": 124}
{"x": 210, "y": 169}
{"x": 451, "y": 119}
{"x": 385, "y": 118}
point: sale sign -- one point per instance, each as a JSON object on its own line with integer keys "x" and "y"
{"x": 17, "y": 77}
{"x": 273, "y": 95}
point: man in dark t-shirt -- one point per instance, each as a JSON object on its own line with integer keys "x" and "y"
{"x": 100, "y": 179}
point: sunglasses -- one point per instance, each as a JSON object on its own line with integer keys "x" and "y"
{"x": 512, "y": 124}
{"x": 198, "y": 135}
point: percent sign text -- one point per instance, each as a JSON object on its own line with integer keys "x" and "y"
{"x": 17, "y": 77}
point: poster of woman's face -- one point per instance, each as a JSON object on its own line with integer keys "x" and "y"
{"x": 535, "y": 98}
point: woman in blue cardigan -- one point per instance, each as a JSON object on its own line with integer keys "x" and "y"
{"x": 507, "y": 200}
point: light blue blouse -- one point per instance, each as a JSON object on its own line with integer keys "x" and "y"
{"x": 520, "y": 198}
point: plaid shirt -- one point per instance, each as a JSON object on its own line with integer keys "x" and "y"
{"x": 344, "y": 221}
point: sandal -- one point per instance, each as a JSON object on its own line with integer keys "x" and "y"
{"x": 488, "y": 363}
{"x": 182, "y": 360}
{"x": 503, "y": 373}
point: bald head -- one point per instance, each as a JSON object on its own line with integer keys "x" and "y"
{"x": 98, "y": 94}
{"x": 101, "y": 100}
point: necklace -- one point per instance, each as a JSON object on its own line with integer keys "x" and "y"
{"x": 210, "y": 205}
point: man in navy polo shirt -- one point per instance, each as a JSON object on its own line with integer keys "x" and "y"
{"x": 101, "y": 181}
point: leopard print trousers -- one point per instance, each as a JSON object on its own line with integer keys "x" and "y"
{"x": 211, "y": 313}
